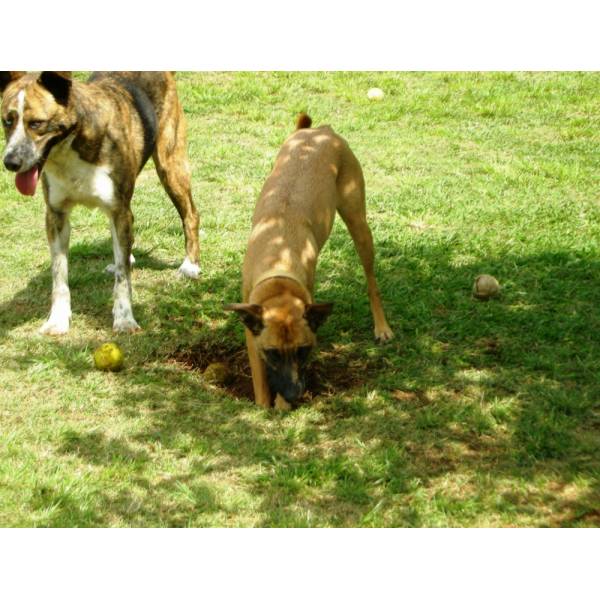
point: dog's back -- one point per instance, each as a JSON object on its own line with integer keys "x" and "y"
{"x": 313, "y": 170}
{"x": 304, "y": 177}
{"x": 146, "y": 91}
{"x": 154, "y": 84}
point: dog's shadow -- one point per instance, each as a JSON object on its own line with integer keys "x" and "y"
{"x": 90, "y": 284}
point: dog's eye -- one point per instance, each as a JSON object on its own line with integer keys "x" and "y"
{"x": 273, "y": 356}
{"x": 35, "y": 124}
{"x": 302, "y": 352}
{"x": 7, "y": 122}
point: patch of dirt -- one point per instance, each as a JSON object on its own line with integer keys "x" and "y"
{"x": 335, "y": 370}
{"x": 331, "y": 370}
{"x": 490, "y": 346}
{"x": 414, "y": 397}
{"x": 204, "y": 353}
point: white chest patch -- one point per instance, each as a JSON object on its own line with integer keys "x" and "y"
{"x": 76, "y": 181}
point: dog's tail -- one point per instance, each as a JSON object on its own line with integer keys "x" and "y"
{"x": 303, "y": 121}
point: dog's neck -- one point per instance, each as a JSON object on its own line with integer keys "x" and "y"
{"x": 281, "y": 274}
{"x": 277, "y": 273}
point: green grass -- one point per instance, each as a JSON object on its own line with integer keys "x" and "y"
{"x": 477, "y": 414}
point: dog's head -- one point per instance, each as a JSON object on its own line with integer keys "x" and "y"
{"x": 36, "y": 114}
{"x": 284, "y": 330}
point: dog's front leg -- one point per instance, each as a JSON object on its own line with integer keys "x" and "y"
{"x": 121, "y": 228}
{"x": 58, "y": 231}
{"x": 262, "y": 394}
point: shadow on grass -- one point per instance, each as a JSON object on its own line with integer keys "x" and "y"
{"x": 475, "y": 413}
{"x": 91, "y": 287}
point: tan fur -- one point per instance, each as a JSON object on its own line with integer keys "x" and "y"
{"x": 315, "y": 175}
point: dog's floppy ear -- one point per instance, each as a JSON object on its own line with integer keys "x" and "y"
{"x": 251, "y": 315}
{"x": 7, "y": 77}
{"x": 315, "y": 314}
{"x": 58, "y": 83}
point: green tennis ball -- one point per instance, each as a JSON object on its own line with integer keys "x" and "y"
{"x": 216, "y": 373}
{"x": 109, "y": 357}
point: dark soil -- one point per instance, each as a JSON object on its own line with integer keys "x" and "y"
{"x": 331, "y": 371}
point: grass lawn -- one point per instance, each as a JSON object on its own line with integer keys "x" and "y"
{"x": 476, "y": 414}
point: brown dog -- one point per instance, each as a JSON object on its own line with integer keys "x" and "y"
{"x": 89, "y": 141}
{"x": 314, "y": 175}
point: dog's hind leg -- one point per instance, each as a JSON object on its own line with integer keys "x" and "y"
{"x": 173, "y": 168}
{"x": 121, "y": 228}
{"x": 352, "y": 209}
{"x": 58, "y": 230}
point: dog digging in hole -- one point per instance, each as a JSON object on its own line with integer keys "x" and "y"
{"x": 315, "y": 175}
{"x": 88, "y": 142}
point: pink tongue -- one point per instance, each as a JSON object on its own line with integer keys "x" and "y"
{"x": 26, "y": 182}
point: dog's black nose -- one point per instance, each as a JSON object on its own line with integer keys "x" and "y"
{"x": 292, "y": 392}
{"x": 12, "y": 163}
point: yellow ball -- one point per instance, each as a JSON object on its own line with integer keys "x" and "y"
{"x": 109, "y": 357}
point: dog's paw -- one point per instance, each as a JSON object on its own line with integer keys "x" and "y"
{"x": 125, "y": 325}
{"x": 59, "y": 320}
{"x": 55, "y": 326}
{"x": 111, "y": 268}
{"x": 189, "y": 269}
{"x": 282, "y": 404}
{"x": 383, "y": 334}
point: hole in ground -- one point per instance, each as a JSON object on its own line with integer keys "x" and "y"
{"x": 332, "y": 370}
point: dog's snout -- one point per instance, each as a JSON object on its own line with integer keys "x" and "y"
{"x": 293, "y": 392}
{"x": 293, "y": 386}
{"x": 12, "y": 162}
{"x": 287, "y": 381}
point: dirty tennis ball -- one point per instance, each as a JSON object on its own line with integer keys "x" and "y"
{"x": 109, "y": 357}
{"x": 216, "y": 373}
{"x": 375, "y": 94}
{"x": 485, "y": 287}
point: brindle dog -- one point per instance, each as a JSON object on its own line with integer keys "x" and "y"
{"x": 314, "y": 175}
{"x": 89, "y": 141}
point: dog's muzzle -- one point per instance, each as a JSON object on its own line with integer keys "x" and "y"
{"x": 13, "y": 162}
{"x": 281, "y": 383}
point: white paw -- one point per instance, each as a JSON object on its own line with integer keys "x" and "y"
{"x": 189, "y": 269}
{"x": 384, "y": 334}
{"x": 125, "y": 325}
{"x": 59, "y": 319}
{"x": 111, "y": 268}
{"x": 55, "y": 326}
